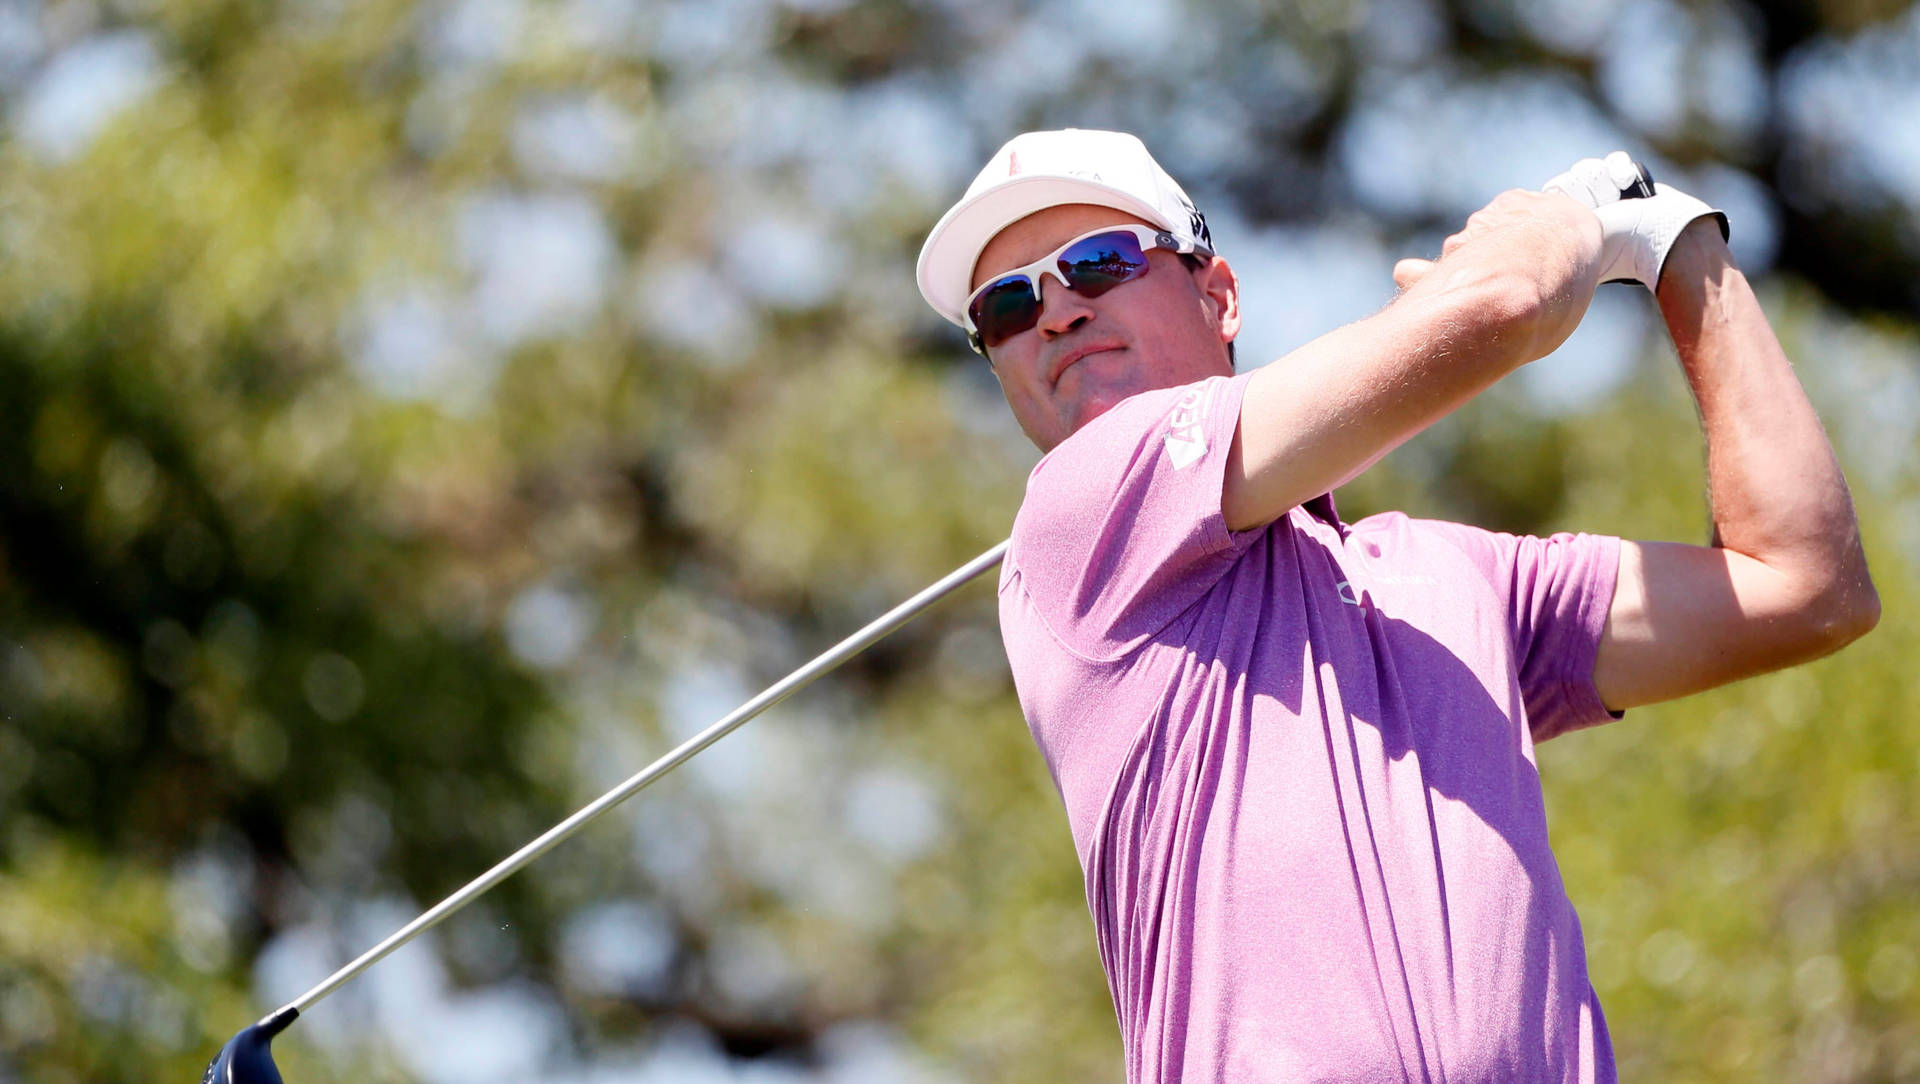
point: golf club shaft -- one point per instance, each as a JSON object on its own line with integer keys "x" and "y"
{"x": 780, "y": 690}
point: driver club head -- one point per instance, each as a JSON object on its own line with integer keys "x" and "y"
{"x": 248, "y": 1057}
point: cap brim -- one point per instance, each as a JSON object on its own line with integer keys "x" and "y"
{"x": 945, "y": 271}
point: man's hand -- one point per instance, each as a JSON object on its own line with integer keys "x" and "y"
{"x": 1640, "y": 219}
{"x": 1552, "y": 240}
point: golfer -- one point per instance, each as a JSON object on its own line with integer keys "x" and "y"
{"x": 1297, "y": 753}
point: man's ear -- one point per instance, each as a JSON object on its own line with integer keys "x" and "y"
{"x": 1220, "y": 289}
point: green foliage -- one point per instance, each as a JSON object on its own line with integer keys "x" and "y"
{"x": 324, "y": 583}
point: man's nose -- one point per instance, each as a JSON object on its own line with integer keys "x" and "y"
{"x": 1061, "y": 310}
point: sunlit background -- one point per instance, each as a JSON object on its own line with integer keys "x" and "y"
{"x": 415, "y": 417}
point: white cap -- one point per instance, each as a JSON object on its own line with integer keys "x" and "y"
{"x": 1038, "y": 170}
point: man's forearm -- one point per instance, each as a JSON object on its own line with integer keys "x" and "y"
{"x": 1319, "y": 416}
{"x": 1776, "y": 488}
{"x": 1508, "y": 289}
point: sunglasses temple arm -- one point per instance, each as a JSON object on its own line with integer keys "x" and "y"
{"x": 822, "y": 664}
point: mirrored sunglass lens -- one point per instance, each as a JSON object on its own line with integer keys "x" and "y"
{"x": 1004, "y": 310}
{"x": 1098, "y": 264}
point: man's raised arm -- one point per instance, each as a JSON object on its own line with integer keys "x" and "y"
{"x": 1508, "y": 289}
{"x": 1785, "y": 579}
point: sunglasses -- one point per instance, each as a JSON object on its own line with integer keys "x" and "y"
{"x": 1089, "y": 265}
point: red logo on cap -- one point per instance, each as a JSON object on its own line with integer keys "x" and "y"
{"x": 1013, "y": 163}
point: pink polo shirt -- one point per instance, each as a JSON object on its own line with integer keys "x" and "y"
{"x": 1298, "y": 764}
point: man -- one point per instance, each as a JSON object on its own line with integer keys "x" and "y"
{"x": 1296, "y": 753}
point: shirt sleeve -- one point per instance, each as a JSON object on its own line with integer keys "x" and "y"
{"x": 1557, "y": 592}
{"x": 1562, "y": 591}
{"x": 1121, "y": 529}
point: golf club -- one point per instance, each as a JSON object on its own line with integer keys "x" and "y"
{"x": 248, "y": 1058}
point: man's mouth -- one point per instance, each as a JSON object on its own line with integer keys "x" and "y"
{"x": 1075, "y": 355}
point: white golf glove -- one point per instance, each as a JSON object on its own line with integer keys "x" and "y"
{"x": 1639, "y": 219}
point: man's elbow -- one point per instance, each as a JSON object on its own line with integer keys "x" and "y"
{"x": 1862, "y": 612}
{"x": 1841, "y": 613}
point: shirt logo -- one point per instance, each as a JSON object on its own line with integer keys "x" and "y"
{"x": 1346, "y": 593}
{"x": 1186, "y": 428}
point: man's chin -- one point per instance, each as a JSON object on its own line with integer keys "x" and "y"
{"x": 1093, "y": 407}
{"x": 1091, "y": 402}
{"x": 1086, "y": 411}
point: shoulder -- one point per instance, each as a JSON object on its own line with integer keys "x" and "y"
{"x": 1146, "y": 448}
{"x": 1121, "y": 528}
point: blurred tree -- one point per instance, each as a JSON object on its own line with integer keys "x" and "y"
{"x": 414, "y": 415}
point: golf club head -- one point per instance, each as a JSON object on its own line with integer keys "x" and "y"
{"x": 248, "y": 1057}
